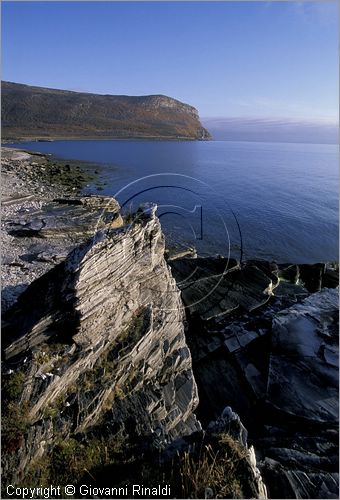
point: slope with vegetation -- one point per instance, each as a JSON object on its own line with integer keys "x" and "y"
{"x": 37, "y": 112}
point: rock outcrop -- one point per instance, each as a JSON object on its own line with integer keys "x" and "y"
{"x": 37, "y": 112}
{"x": 229, "y": 422}
{"x": 302, "y": 396}
{"x": 99, "y": 338}
{"x": 215, "y": 463}
{"x": 268, "y": 347}
{"x": 217, "y": 286}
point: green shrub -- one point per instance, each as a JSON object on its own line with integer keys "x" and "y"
{"x": 14, "y": 424}
{"x": 71, "y": 461}
{"x": 13, "y": 386}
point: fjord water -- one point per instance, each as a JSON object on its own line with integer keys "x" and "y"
{"x": 281, "y": 197}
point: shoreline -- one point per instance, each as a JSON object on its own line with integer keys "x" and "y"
{"x": 156, "y": 138}
{"x": 95, "y": 185}
{"x": 102, "y": 138}
{"x": 30, "y": 183}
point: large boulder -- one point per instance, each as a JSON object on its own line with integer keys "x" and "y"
{"x": 98, "y": 340}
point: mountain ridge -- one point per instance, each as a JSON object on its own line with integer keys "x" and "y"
{"x": 40, "y": 112}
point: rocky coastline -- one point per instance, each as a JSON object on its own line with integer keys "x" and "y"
{"x": 29, "y": 184}
{"x": 264, "y": 337}
{"x": 119, "y": 362}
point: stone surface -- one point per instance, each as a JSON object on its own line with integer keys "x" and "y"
{"x": 303, "y": 373}
{"x": 277, "y": 366}
{"x": 330, "y": 278}
{"x": 214, "y": 287}
{"x": 112, "y": 305}
{"x": 287, "y": 483}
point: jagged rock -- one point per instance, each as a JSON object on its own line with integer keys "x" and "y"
{"x": 49, "y": 257}
{"x": 216, "y": 462}
{"x": 69, "y": 218}
{"x": 117, "y": 221}
{"x": 42, "y": 234}
{"x": 106, "y": 334}
{"x": 292, "y": 290}
{"x": 148, "y": 209}
{"x": 229, "y": 422}
{"x": 302, "y": 279}
{"x": 271, "y": 269}
{"x": 188, "y": 271}
{"x": 301, "y": 452}
{"x": 173, "y": 254}
{"x": 311, "y": 277}
{"x": 92, "y": 202}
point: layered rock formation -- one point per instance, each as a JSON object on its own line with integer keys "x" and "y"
{"x": 101, "y": 334}
{"x": 264, "y": 339}
{"x": 37, "y": 112}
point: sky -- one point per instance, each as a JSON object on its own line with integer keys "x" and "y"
{"x": 228, "y": 59}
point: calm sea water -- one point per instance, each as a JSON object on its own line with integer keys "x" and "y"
{"x": 281, "y": 198}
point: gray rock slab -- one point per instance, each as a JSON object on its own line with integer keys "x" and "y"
{"x": 303, "y": 376}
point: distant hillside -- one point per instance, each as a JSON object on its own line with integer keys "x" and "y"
{"x": 37, "y": 112}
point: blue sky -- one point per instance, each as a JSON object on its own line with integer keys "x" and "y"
{"x": 228, "y": 59}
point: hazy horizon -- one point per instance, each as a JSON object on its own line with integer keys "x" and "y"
{"x": 282, "y": 129}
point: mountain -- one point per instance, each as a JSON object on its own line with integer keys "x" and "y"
{"x": 37, "y": 112}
